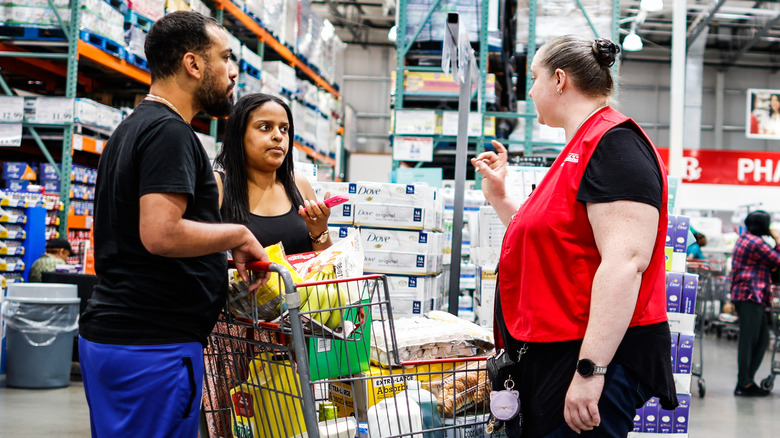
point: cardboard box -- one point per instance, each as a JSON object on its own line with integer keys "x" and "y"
{"x": 675, "y": 340}
{"x": 665, "y": 420}
{"x": 390, "y": 216}
{"x": 19, "y": 170}
{"x": 670, "y": 230}
{"x": 640, "y": 414}
{"x": 369, "y": 388}
{"x": 491, "y": 229}
{"x": 688, "y": 302}
{"x": 684, "y": 354}
{"x": 403, "y": 263}
{"x": 422, "y": 242}
{"x": 681, "y": 229}
{"x": 674, "y": 285}
{"x": 650, "y": 419}
{"x": 682, "y": 413}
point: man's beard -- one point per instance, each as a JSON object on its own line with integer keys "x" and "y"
{"x": 213, "y": 101}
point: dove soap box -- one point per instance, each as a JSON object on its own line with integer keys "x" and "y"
{"x": 404, "y": 263}
{"x": 674, "y": 286}
{"x": 393, "y": 216}
{"x": 422, "y": 242}
{"x": 388, "y": 193}
{"x": 684, "y": 354}
{"x": 650, "y": 418}
{"x": 681, "y": 413}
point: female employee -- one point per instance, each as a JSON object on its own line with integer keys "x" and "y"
{"x": 259, "y": 187}
{"x": 581, "y": 302}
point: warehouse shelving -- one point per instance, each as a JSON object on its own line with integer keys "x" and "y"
{"x": 38, "y": 53}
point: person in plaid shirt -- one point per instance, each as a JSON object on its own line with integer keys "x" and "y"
{"x": 752, "y": 263}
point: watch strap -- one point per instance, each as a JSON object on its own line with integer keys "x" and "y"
{"x": 320, "y": 238}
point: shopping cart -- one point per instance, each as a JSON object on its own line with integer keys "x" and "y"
{"x": 774, "y": 315}
{"x": 299, "y": 376}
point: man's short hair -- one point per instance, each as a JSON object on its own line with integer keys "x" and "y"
{"x": 174, "y": 35}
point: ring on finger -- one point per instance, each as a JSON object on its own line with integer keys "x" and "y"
{"x": 313, "y": 218}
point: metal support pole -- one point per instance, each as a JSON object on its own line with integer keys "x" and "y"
{"x": 461, "y": 149}
{"x": 70, "y": 92}
{"x": 677, "y": 110}
{"x": 529, "y": 82}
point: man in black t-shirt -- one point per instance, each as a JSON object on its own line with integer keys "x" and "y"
{"x": 159, "y": 243}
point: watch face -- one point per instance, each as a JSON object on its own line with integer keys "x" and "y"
{"x": 585, "y": 367}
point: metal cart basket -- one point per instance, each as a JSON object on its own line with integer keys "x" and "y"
{"x": 333, "y": 370}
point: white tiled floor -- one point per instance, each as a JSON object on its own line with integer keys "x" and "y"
{"x": 63, "y": 413}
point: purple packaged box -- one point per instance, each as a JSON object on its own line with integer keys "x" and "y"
{"x": 665, "y": 420}
{"x": 640, "y": 414}
{"x": 670, "y": 230}
{"x": 650, "y": 419}
{"x": 674, "y": 350}
{"x": 681, "y": 413}
{"x": 684, "y": 354}
{"x": 681, "y": 233}
{"x": 674, "y": 285}
{"x": 688, "y": 302}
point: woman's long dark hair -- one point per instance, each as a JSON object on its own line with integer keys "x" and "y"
{"x": 758, "y": 222}
{"x": 772, "y": 112}
{"x": 232, "y": 159}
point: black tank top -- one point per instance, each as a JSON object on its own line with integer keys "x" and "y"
{"x": 288, "y": 228}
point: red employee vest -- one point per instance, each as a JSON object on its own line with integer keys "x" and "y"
{"x": 549, "y": 255}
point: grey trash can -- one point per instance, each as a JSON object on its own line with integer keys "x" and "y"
{"x": 41, "y": 321}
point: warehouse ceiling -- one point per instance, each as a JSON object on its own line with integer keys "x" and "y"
{"x": 737, "y": 32}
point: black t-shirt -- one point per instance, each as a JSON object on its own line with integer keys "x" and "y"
{"x": 142, "y": 298}
{"x": 623, "y": 167}
{"x": 289, "y": 228}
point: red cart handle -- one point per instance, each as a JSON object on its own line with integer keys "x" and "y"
{"x": 253, "y": 266}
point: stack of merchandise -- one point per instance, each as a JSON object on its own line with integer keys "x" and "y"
{"x": 520, "y": 182}
{"x": 151, "y": 9}
{"x": 35, "y": 12}
{"x": 681, "y": 291}
{"x": 99, "y": 17}
{"x": 400, "y": 226}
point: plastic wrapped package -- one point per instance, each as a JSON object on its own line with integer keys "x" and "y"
{"x": 135, "y": 37}
{"x": 272, "y": 10}
{"x": 554, "y": 15}
{"x": 305, "y": 36}
{"x": 438, "y": 335}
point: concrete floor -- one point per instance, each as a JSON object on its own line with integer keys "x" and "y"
{"x": 63, "y": 413}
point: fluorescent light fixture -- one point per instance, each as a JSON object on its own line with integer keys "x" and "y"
{"x": 632, "y": 42}
{"x": 651, "y": 5}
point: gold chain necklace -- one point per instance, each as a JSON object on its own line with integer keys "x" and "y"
{"x": 588, "y": 116}
{"x": 165, "y": 102}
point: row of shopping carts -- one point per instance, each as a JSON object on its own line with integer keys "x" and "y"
{"x": 298, "y": 376}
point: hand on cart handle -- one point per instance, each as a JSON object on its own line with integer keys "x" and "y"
{"x": 251, "y": 252}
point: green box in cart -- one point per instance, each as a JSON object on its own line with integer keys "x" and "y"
{"x": 330, "y": 357}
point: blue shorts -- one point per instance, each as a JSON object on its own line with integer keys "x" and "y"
{"x": 143, "y": 390}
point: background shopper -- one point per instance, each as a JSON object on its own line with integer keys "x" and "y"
{"x": 694, "y": 251}
{"x": 259, "y": 187}
{"x": 57, "y": 253}
{"x": 751, "y": 264}
{"x": 159, "y": 244}
{"x": 581, "y": 273}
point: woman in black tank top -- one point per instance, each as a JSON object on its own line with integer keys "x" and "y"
{"x": 259, "y": 188}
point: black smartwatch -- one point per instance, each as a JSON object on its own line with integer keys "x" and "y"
{"x": 587, "y": 368}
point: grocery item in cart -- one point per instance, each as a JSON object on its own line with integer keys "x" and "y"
{"x": 460, "y": 391}
{"x": 346, "y": 257}
{"x": 268, "y": 298}
{"x": 438, "y": 335}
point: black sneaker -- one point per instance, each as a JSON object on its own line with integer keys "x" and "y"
{"x": 751, "y": 390}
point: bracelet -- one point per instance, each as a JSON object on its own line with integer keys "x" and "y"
{"x": 320, "y": 238}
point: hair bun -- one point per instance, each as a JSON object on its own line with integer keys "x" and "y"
{"x": 606, "y": 51}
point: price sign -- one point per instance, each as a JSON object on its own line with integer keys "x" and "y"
{"x": 11, "y": 109}
{"x": 10, "y": 134}
{"x": 54, "y": 110}
{"x": 413, "y": 148}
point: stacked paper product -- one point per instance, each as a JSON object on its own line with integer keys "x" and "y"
{"x": 399, "y": 226}
{"x": 413, "y": 294}
{"x": 151, "y": 9}
{"x": 485, "y": 295}
{"x": 522, "y": 180}
{"x": 283, "y": 72}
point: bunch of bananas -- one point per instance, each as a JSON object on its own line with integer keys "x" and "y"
{"x": 321, "y": 298}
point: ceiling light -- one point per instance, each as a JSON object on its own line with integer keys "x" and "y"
{"x": 632, "y": 42}
{"x": 651, "y": 5}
